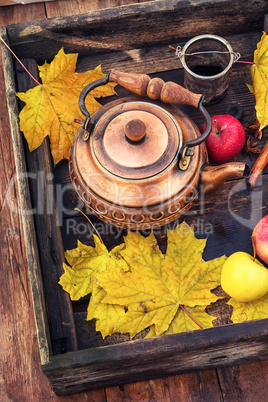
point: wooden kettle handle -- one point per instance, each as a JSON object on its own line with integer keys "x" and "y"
{"x": 155, "y": 88}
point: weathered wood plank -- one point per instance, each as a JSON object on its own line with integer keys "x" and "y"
{"x": 20, "y": 377}
{"x": 244, "y": 382}
{"x": 21, "y": 13}
{"x": 134, "y": 26}
{"x": 154, "y": 59}
{"x": 157, "y": 357}
{"x": 72, "y": 7}
{"x": 194, "y": 387}
{"x": 265, "y": 25}
{"x": 44, "y": 212}
{"x": 24, "y": 205}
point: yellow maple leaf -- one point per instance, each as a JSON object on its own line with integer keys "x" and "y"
{"x": 259, "y": 74}
{"x": 254, "y": 310}
{"x": 106, "y": 315}
{"x": 50, "y": 108}
{"x": 157, "y": 284}
{"x": 79, "y": 280}
{"x": 83, "y": 262}
{"x": 135, "y": 286}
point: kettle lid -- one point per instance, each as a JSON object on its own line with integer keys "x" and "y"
{"x": 136, "y": 140}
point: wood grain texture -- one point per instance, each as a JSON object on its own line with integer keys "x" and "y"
{"x": 134, "y": 26}
{"x": 245, "y": 382}
{"x": 194, "y": 387}
{"x": 157, "y": 357}
{"x": 21, "y": 13}
{"x": 156, "y": 59}
{"x": 51, "y": 254}
{"x": 65, "y": 8}
{"x": 20, "y": 374}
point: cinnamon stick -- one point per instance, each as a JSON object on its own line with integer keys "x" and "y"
{"x": 258, "y": 166}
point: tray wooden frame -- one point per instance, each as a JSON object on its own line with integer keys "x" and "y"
{"x": 92, "y": 33}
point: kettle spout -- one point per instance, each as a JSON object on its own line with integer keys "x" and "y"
{"x": 214, "y": 176}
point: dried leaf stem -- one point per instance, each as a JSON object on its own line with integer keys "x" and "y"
{"x": 99, "y": 236}
{"x": 192, "y": 318}
{"x": 23, "y": 66}
{"x": 244, "y": 62}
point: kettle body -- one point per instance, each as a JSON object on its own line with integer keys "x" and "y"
{"x": 137, "y": 163}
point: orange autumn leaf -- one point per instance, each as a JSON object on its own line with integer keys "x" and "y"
{"x": 51, "y": 108}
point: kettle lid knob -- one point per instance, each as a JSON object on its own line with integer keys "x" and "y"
{"x": 135, "y": 130}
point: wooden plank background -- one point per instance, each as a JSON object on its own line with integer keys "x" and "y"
{"x": 20, "y": 376}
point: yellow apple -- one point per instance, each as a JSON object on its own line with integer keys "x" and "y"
{"x": 244, "y": 278}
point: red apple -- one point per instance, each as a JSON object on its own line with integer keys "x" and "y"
{"x": 260, "y": 239}
{"x": 226, "y": 139}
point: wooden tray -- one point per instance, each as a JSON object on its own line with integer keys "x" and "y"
{"x": 131, "y": 38}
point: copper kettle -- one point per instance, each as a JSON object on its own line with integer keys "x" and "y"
{"x": 139, "y": 163}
